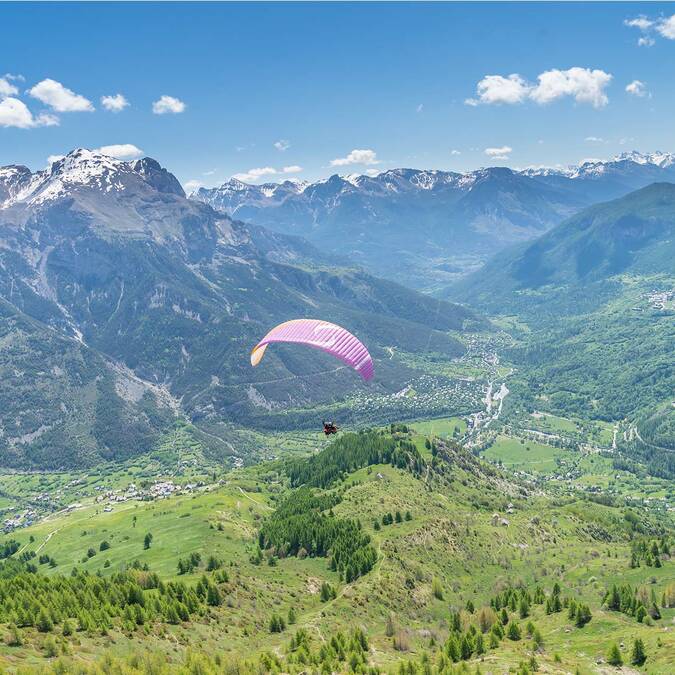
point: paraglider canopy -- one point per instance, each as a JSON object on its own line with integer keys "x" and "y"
{"x": 327, "y": 337}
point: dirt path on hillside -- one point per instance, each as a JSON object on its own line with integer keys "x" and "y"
{"x": 255, "y": 501}
{"x": 49, "y": 536}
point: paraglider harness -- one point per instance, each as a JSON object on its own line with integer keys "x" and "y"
{"x": 329, "y": 428}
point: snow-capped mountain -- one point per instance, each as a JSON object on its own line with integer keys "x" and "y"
{"x": 82, "y": 169}
{"x": 122, "y": 302}
{"x": 425, "y": 226}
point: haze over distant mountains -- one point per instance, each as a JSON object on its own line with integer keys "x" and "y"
{"x": 427, "y": 228}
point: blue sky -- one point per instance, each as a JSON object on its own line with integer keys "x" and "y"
{"x": 324, "y": 80}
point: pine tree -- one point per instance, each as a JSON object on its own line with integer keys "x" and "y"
{"x": 638, "y": 656}
{"x": 614, "y": 656}
{"x": 583, "y": 615}
{"x": 147, "y": 540}
{"x": 513, "y": 631}
{"x": 213, "y": 596}
{"x": 504, "y": 617}
{"x": 452, "y": 648}
{"x": 480, "y": 644}
{"x": 44, "y": 622}
{"x": 524, "y": 608}
{"x": 465, "y": 647}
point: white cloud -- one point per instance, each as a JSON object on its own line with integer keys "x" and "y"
{"x": 121, "y": 151}
{"x": 53, "y": 158}
{"x": 498, "y": 153}
{"x": 114, "y": 103}
{"x": 641, "y": 22}
{"x": 666, "y": 27}
{"x": 663, "y": 26}
{"x": 636, "y": 88}
{"x": 253, "y": 175}
{"x": 15, "y": 113}
{"x": 191, "y": 186}
{"x": 282, "y": 145}
{"x": 582, "y": 84}
{"x": 168, "y": 104}
{"x": 7, "y": 89}
{"x": 356, "y": 157}
{"x": 60, "y": 98}
{"x": 495, "y": 89}
{"x": 594, "y": 139}
{"x": 209, "y": 173}
{"x": 372, "y": 172}
{"x": 455, "y": 152}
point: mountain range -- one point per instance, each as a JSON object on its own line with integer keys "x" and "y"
{"x": 124, "y": 304}
{"x": 634, "y": 234}
{"x": 428, "y": 228}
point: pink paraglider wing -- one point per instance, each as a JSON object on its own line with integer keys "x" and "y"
{"x": 327, "y": 337}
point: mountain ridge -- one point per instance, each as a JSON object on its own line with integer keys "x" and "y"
{"x": 429, "y": 227}
{"x": 112, "y": 257}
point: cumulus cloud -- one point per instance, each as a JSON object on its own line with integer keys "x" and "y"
{"x": 582, "y": 84}
{"x": 6, "y": 88}
{"x": 636, "y": 88}
{"x": 168, "y": 104}
{"x": 666, "y": 27}
{"x": 455, "y": 152}
{"x": 15, "y": 113}
{"x": 253, "y": 175}
{"x": 121, "y": 151}
{"x": 495, "y": 89}
{"x": 498, "y": 153}
{"x": 60, "y": 98}
{"x": 649, "y": 28}
{"x": 114, "y": 103}
{"x": 366, "y": 157}
{"x": 282, "y": 145}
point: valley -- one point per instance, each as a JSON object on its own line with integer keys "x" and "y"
{"x": 510, "y": 464}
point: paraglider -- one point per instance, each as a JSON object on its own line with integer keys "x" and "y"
{"x": 329, "y": 428}
{"x": 327, "y": 337}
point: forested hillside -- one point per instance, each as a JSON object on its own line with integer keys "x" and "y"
{"x": 411, "y": 555}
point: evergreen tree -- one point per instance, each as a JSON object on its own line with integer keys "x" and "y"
{"x": 44, "y": 622}
{"x": 147, "y": 541}
{"x": 213, "y": 596}
{"x": 583, "y": 615}
{"x": 638, "y": 656}
{"x": 614, "y": 656}
{"x": 524, "y": 608}
{"x": 513, "y": 631}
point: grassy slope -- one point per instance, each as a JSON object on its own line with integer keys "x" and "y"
{"x": 450, "y": 538}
